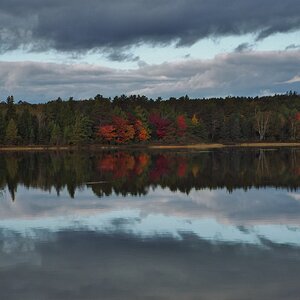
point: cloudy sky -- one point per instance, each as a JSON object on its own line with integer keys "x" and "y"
{"x": 51, "y": 48}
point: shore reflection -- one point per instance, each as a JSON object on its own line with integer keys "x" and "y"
{"x": 134, "y": 172}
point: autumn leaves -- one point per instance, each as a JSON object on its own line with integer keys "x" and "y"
{"x": 123, "y": 130}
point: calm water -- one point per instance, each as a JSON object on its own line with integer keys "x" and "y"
{"x": 157, "y": 225}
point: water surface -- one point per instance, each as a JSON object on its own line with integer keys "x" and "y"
{"x": 150, "y": 225}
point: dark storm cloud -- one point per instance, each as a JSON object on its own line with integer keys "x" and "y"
{"x": 84, "y": 25}
{"x": 292, "y": 47}
{"x": 121, "y": 55}
{"x": 245, "y": 73}
{"x": 243, "y": 47}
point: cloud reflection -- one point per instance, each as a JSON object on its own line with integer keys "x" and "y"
{"x": 240, "y": 217}
{"x": 93, "y": 265}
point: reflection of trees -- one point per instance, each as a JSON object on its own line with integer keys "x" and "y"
{"x": 262, "y": 168}
{"x": 129, "y": 172}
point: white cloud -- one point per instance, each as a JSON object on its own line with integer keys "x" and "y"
{"x": 234, "y": 73}
{"x": 294, "y": 79}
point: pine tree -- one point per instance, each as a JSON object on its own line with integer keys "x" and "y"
{"x": 235, "y": 128}
{"x": 82, "y": 130}
{"x": 55, "y": 135}
{"x": 67, "y": 135}
{"x": 11, "y": 134}
{"x": 11, "y": 109}
{"x": 24, "y": 126}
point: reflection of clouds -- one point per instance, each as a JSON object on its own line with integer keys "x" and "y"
{"x": 295, "y": 196}
{"x": 91, "y": 265}
{"x": 162, "y": 246}
{"x": 263, "y": 206}
{"x": 210, "y": 214}
{"x": 241, "y": 208}
{"x": 154, "y": 225}
{"x": 16, "y": 248}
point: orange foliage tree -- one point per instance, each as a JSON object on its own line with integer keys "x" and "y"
{"x": 142, "y": 133}
{"x": 107, "y": 132}
{"x": 120, "y": 131}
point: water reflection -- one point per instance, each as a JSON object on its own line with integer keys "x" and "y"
{"x": 241, "y": 217}
{"x": 135, "y": 172}
{"x": 89, "y": 265}
{"x": 160, "y": 225}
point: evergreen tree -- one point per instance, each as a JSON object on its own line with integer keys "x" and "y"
{"x": 24, "y": 126}
{"x": 67, "y": 135}
{"x": 11, "y": 109}
{"x": 11, "y": 134}
{"x": 55, "y": 135}
{"x": 224, "y": 131}
{"x": 82, "y": 130}
{"x": 235, "y": 128}
{"x": 198, "y": 128}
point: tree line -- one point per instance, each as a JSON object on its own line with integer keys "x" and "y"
{"x": 137, "y": 119}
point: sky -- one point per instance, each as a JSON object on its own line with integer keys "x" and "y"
{"x": 203, "y": 48}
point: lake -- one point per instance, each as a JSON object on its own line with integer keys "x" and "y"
{"x": 211, "y": 225}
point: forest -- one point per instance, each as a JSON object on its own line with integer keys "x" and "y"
{"x": 137, "y": 119}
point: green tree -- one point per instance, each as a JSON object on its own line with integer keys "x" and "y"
{"x": 82, "y": 131}
{"x": 55, "y": 138}
{"x": 11, "y": 134}
{"x": 197, "y": 128}
{"x": 11, "y": 109}
{"x": 234, "y": 127}
{"x": 67, "y": 135}
{"x": 24, "y": 126}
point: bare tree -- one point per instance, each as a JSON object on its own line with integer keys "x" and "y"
{"x": 262, "y": 121}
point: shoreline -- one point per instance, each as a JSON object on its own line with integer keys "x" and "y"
{"x": 151, "y": 147}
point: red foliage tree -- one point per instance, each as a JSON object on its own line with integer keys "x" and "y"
{"x": 125, "y": 131}
{"x": 181, "y": 125}
{"x": 160, "y": 124}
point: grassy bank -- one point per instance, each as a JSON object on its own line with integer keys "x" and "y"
{"x": 277, "y": 144}
{"x": 32, "y": 148}
{"x": 189, "y": 146}
{"x": 192, "y": 146}
{"x": 218, "y": 146}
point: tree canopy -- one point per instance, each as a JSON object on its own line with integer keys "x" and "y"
{"x": 140, "y": 120}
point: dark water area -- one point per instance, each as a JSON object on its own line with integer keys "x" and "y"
{"x": 212, "y": 225}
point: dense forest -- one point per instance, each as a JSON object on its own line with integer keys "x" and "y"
{"x": 140, "y": 120}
